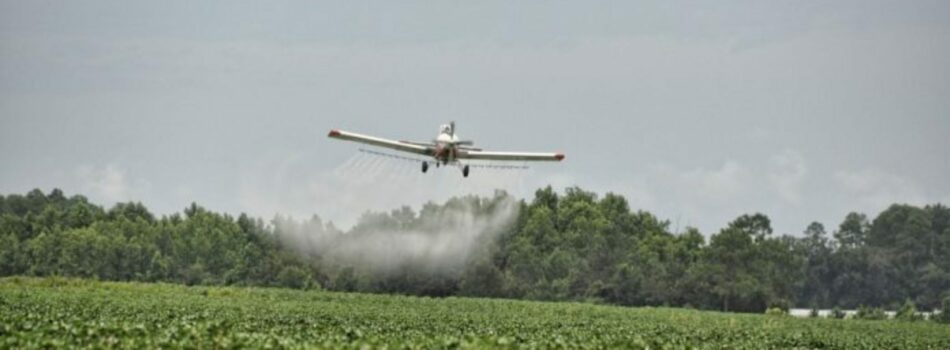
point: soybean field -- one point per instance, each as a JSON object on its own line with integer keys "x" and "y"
{"x": 58, "y": 312}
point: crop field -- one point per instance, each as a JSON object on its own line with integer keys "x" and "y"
{"x": 56, "y": 312}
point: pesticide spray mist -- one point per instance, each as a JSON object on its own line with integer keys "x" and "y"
{"x": 438, "y": 240}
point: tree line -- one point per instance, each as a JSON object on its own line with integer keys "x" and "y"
{"x": 573, "y": 245}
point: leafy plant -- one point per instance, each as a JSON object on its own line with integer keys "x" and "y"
{"x": 39, "y": 313}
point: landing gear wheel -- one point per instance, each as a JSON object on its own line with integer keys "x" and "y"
{"x": 465, "y": 171}
{"x": 425, "y": 166}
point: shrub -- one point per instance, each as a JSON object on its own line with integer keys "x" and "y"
{"x": 775, "y": 311}
{"x": 836, "y": 312}
{"x": 781, "y": 304}
{"x": 908, "y": 312}
{"x": 869, "y": 313}
{"x": 295, "y": 277}
{"x": 944, "y": 315}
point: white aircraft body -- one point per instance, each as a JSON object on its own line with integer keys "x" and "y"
{"x": 446, "y": 149}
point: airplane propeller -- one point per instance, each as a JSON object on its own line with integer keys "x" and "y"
{"x": 459, "y": 142}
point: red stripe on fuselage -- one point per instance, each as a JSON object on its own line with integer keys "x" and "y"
{"x": 444, "y": 153}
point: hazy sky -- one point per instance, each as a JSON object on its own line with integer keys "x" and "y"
{"x": 695, "y": 111}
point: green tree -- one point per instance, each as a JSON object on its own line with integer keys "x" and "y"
{"x": 731, "y": 257}
{"x": 819, "y": 274}
{"x": 852, "y": 231}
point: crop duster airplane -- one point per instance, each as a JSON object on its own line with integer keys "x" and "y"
{"x": 446, "y": 149}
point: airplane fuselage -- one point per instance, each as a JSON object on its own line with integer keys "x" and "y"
{"x": 445, "y": 145}
{"x": 445, "y": 150}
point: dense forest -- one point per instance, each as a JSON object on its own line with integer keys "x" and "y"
{"x": 573, "y": 245}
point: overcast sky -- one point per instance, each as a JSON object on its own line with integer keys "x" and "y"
{"x": 695, "y": 111}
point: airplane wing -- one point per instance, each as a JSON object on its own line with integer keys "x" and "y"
{"x": 510, "y": 156}
{"x": 416, "y": 148}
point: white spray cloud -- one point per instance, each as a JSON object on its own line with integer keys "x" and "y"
{"x": 439, "y": 240}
